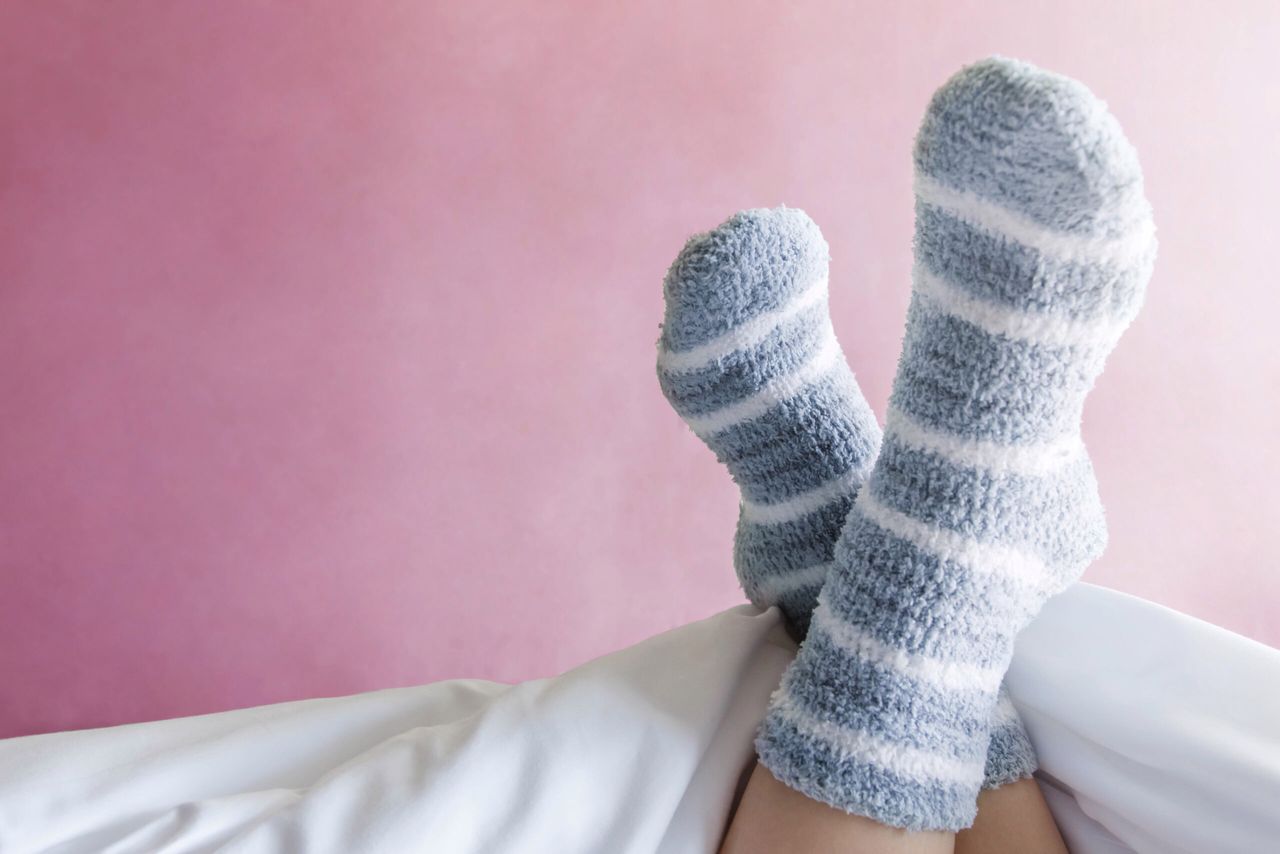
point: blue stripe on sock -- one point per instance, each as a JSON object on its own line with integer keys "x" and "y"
{"x": 912, "y": 599}
{"x": 960, "y": 379}
{"x": 762, "y": 551}
{"x": 1057, "y": 516}
{"x": 822, "y": 772}
{"x": 802, "y": 443}
{"x": 995, "y": 269}
{"x": 858, "y": 694}
{"x": 744, "y": 373}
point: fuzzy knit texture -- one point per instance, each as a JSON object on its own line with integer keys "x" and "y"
{"x": 749, "y": 358}
{"x": 1034, "y": 243}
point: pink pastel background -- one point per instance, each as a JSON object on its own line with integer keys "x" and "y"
{"x": 326, "y": 329}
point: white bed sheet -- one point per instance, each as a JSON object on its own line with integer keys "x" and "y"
{"x": 1157, "y": 733}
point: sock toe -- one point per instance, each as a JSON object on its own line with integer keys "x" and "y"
{"x": 1031, "y": 218}
{"x": 755, "y": 262}
{"x": 1036, "y": 142}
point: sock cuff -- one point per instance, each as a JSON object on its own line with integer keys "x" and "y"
{"x": 856, "y": 774}
{"x": 1010, "y": 754}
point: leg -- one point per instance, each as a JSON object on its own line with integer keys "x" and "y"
{"x": 1012, "y": 819}
{"x": 773, "y": 817}
{"x": 1034, "y": 244}
{"x": 1012, "y": 814}
{"x": 748, "y": 357}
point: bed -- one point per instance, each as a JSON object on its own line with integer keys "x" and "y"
{"x": 1157, "y": 733}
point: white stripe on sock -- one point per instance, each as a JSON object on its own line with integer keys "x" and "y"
{"x": 902, "y": 760}
{"x": 992, "y": 217}
{"x": 1036, "y": 327}
{"x": 1040, "y": 458}
{"x": 981, "y": 558}
{"x": 772, "y": 393}
{"x": 741, "y": 337}
{"x": 768, "y": 591}
{"x": 945, "y": 675}
{"x": 804, "y": 503}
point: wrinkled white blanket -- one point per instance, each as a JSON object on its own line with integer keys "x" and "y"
{"x": 1157, "y": 733}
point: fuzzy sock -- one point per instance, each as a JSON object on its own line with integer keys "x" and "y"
{"x": 749, "y": 358}
{"x": 1034, "y": 243}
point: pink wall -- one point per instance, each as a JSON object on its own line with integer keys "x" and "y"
{"x": 326, "y": 337}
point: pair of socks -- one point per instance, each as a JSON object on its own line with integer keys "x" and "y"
{"x": 907, "y": 560}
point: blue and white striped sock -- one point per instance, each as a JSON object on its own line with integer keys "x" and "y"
{"x": 1034, "y": 244}
{"x": 749, "y": 358}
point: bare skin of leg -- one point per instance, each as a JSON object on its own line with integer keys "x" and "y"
{"x": 773, "y": 818}
{"x": 1011, "y": 820}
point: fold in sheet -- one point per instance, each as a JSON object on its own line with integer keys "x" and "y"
{"x": 1156, "y": 732}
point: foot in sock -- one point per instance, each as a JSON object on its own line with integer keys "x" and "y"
{"x": 750, "y": 361}
{"x": 1034, "y": 243}
{"x": 748, "y": 357}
